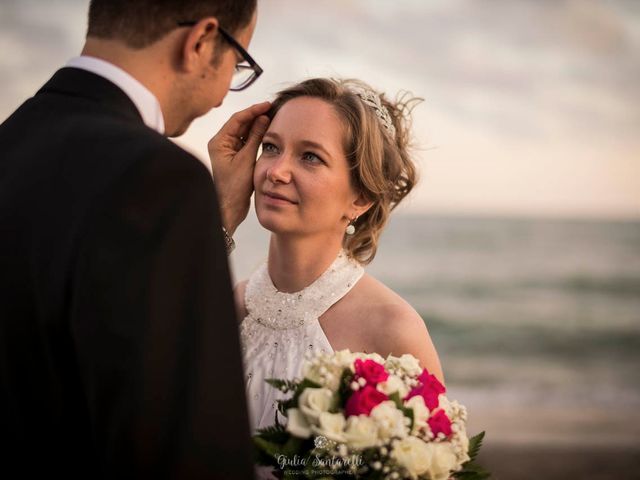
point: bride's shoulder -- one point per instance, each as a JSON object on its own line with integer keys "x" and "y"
{"x": 396, "y": 326}
{"x": 382, "y": 307}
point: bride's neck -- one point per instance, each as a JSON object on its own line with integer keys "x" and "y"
{"x": 295, "y": 264}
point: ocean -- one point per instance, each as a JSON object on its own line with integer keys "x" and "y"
{"x": 536, "y": 321}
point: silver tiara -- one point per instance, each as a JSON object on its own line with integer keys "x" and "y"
{"x": 371, "y": 98}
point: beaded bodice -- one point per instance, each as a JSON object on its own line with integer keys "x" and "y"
{"x": 281, "y": 311}
{"x": 281, "y": 327}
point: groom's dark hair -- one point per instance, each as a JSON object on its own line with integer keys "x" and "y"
{"x": 141, "y": 22}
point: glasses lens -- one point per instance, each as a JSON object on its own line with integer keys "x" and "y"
{"x": 242, "y": 77}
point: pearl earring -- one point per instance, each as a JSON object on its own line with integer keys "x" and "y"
{"x": 351, "y": 229}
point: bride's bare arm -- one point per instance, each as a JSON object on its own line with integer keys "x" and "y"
{"x": 238, "y": 294}
{"x": 399, "y": 330}
{"x": 388, "y": 324}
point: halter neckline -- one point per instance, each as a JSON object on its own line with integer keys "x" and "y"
{"x": 282, "y": 310}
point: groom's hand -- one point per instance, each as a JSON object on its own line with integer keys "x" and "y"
{"x": 233, "y": 152}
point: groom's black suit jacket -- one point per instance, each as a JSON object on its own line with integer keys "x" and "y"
{"x": 119, "y": 349}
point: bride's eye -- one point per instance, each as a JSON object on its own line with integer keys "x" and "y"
{"x": 311, "y": 157}
{"x": 269, "y": 148}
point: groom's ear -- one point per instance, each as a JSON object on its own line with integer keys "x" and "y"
{"x": 199, "y": 45}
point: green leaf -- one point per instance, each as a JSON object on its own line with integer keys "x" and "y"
{"x": 270, "y": 448}
{"x": 475, "y": 443}
{"x": 274, "y": 433}
{"x": 395, "y": 396}
{"x": 344, "y": 388}
{"x": 408, "y": 412}
{"x": 269, "y": 443}
{"x": 284, "y": 405}
{"x": 470, "y": 469}
{"x": 276, "y": 422}
{"x": 293, "y": 446}
{"x": 302, "y": 386}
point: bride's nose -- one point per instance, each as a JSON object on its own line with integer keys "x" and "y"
{"x": 279, "y": 170}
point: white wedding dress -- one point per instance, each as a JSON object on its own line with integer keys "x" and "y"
{"x": 280, "y": 327}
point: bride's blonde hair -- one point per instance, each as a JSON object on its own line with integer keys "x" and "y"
{"x": 381, "y": 166}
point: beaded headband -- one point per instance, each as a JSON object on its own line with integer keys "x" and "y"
{"x": 372, "y": 99}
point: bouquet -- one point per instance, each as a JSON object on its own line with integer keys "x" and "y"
{"x": 357, "y": 415}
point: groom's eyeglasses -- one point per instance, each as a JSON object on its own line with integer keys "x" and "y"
{"x": 247, "y": 71}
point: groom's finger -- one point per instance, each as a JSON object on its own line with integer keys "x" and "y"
{"x": 241, "y": 121}
{"x": 258, "y": 129}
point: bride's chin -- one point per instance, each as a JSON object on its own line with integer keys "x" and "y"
{"x": 272, "y": 225}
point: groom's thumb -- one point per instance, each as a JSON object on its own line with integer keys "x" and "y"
{"x": 258, "y": 129}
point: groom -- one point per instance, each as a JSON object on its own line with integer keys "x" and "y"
{"x": 119, "y": 349}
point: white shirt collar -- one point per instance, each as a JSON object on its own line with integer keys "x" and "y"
{"x": 145, "y": 101}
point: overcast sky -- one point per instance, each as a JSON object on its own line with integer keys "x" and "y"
{"x": 531, "y": 106}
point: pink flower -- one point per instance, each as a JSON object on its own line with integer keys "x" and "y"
{"x": 429, "y": 388}
{"x": 425, "y": 377}
{"x": 440, "y": 423}
{"x": 371, "y": 371}
{"x": 362, "y": 401}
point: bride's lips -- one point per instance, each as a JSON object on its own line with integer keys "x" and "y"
{"x": 277, "y": 199}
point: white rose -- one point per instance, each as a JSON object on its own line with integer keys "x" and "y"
{"x": 393, "y": 384}
{"x": 330, "y": 425}
{"x": 443, "y": 460}
{"x": 413, "y": 454}
{"x": 464, "y": 440}
{"x": 313, "y": 401}
{"x": 323, "y": 372}
{"x": 361, "y": 432}
{"x": 446, "y": 405}
{"x": 420, "y": 412}
{"x": 390, "y": 420}
{"x": 376, "y": 357}
{"x": 410, "y": 364}
{"x": 391, "y": 360}
{"x": 311, "y": 371}
{"x": 297, "y": 424}
{"x": 461, "y": 440}
{"x": 344, "y": 358}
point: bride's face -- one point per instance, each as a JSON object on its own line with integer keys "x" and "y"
{"x": 303, "y": 162}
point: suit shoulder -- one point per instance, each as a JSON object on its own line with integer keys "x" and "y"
{"x": 137, "y": 151}
{"x": 141, "y": 176}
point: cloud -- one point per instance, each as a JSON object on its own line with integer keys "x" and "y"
{"x": 35, "y": 39}
{"x": 514, "y": 81}
{"x": 522, "y": 66}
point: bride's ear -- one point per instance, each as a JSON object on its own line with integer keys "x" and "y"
{"x": 360, "y": 205}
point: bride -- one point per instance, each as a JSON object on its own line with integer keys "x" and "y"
{"x": 334, "y": 164}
